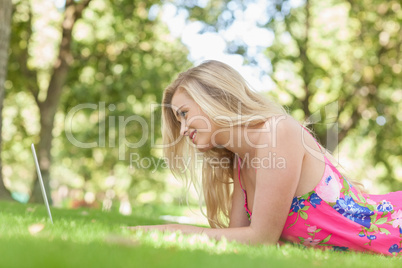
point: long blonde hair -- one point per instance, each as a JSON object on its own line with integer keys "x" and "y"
{"x": 228, "y": 100}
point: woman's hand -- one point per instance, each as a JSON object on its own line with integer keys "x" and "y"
{"x": 162, "y": 228}
{"x": 241, "y": 234}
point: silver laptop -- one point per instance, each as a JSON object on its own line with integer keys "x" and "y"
{"x": 42, "y": 186}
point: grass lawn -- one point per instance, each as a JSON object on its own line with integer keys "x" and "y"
{"x": 92, "y": 238}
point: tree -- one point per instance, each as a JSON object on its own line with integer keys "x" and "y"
{"x": 129, "y": 58}
{"x": 120, "y": 59}
{"x": 335, "y": 63}
{"x": 354, "y": 63}
{"x": 375, "y": 74}
{"x": 48, "y": 107}
{"x": 5, "y": 29}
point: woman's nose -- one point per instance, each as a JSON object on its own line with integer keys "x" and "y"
{"x": 183, "y": 129}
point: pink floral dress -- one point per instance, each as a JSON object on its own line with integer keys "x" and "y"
{"x": 336, "y": 216}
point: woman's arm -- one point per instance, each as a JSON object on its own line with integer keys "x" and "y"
{"x": 276, "y": 184}
{"x": 238, "y": 215}
{"x": 240, "y": 234}
{"x": 275, "y": 188}
{"x": 238, "y": 218}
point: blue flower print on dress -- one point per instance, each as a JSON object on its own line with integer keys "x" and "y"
{"x": 371, "y": 237}
{"x": 297, "y": 204}
{"x": 385, "y": 206}
{"x": 315, "y": 200}
{"x": 394, "y": 248}
{"x": 349, "y": 209}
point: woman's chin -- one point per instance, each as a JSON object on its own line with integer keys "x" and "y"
{"x": 203, "y": 148}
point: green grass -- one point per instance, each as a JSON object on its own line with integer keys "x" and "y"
{"x": 92, "y": 238}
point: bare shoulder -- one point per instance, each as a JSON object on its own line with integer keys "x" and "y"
{"x": 284, "y": 123}
{"x": 282, "y": 141}
{"x": 284, "y": 132}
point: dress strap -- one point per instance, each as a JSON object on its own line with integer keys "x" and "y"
{"x": 312, "y": 137}
{"x": 244, "y": 191}
{"x": 238, "y": 172}
{"x": 319, "y": 146}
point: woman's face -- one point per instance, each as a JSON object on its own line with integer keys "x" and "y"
{"x": 194, "y": 123}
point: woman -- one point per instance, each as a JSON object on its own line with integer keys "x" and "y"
{"x": 264, "y": 177}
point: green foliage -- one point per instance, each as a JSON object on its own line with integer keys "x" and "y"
{"x": 347, "y": 53}
{"x": 122, "y": 61}
{"x": 129, "y": 59}
{"x": 338, "y": 65}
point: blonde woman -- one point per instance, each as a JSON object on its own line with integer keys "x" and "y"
{"x": 264, "y": 177}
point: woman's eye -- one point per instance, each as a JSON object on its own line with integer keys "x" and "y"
{"x": 183, "y": 114}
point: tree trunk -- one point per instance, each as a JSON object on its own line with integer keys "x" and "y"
{"x": 5, "y": 29}
{"x": 48, "y": 108}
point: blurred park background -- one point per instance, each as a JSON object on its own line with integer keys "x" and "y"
{"x": 84, "y": 79}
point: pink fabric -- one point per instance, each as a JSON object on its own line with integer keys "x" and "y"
{"x": 336, "y": 216}
{"x": 244, "y": 191}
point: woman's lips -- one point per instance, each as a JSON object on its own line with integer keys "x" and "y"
{"x": 193, "y": 134}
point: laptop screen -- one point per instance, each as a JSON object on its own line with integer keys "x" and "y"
{"x": 42, "y": 186}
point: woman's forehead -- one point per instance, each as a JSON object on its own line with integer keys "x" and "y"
{"x": 179, "y": 98}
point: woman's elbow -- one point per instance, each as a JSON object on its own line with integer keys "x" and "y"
{"x": 263, "y": 236}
